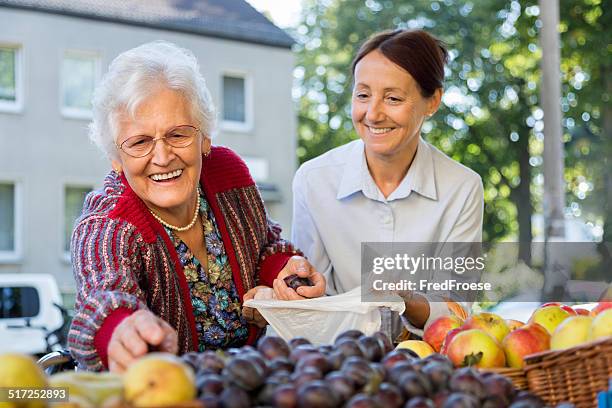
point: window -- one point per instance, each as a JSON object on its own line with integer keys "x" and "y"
{"x": 73, "y": 205}
{"x": 18, "y": 302}
{"x": 236, "y": 103}
{"x": 10, "y": 78}
{"x": 80, "y": 72}
{"x": 7, "y": 218}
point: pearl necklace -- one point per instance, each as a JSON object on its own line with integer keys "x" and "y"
{"x": 186, "y": 227}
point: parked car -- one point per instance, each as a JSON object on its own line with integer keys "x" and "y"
{"x": 32, "y": 317}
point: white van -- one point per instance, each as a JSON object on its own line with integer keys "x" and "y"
{"x": 30, "y": 311}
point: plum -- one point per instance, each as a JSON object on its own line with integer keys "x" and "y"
{"x": 358, "y": 369}
{"x": 244, "y": 372}
{"x": 210, "y": 401}
{"x": 211, "y": 384}
{"x": 294, "y": 281}
{"x": 385, "y": 341}
{"x": 349, "y": 347}
{"x": 498, "y": 385}
{"x": 468, "y": 381}
{"x": 335, "y": 360}
{"x": 298, "y": 341}
{"x": 420, "y": 402}
{"x": 300, "y": 351}
{"x": 362, "y": 401}
{"x": 438, "y": 373}
{"x": 280, "y": 364}
{"x": 461, "y": 400}
{"x": 211, "y": 360}
{"x": 285, "y": 396}
{"x": 349, "y": 334}
{"x": 371, "y": 347}
{"x": 272, "y": 347}
{"x": 316, "y": 394}
{"x": 235, "y": 397}
{"x": 414, "y": 384}
{"x": 394, "y": 374}
{"x": 394, "y": 357}
{"x": 343, "y": 386}
{"x": 388, "y": 395}
{"x": 316, "y": 360}
{"x": 306, "y": 375}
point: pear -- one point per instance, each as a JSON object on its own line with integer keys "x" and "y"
{"x": 74, "y": 402}
{"x": 21, "y": 371}
{"x": 157, "y": 380}
{"x": 94, "y": 387}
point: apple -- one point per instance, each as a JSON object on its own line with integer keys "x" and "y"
{"x": 549, "y": 317}
{"x": 157, "y": 380}
{"x": 449, "y": 337}
{"x": 567, "y": 308}
{"x": 582, "y": 312}
{"x": 420, "y": 347}
{"x": 529, "y": 339}
{"x": 490, "y": 323}
{"x": 601, "y": 306}
{"x": 436, "y": 331}
{"x": 601, "y": 325}
{"x": 572, "y": 332}
{"x": 514, "y": 324}
{"x": 474, "y": 347}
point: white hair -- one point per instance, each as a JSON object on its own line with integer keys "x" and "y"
{"x": 137, "y": 73}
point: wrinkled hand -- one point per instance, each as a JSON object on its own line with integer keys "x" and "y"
{"x": 133, "y": 337}
{"x": 252, "y": 315}
{"x": 300, "y": 266}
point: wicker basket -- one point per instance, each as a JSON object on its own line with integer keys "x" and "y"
{"x": 516, "y": 375}
{"x": 573, "y": 375}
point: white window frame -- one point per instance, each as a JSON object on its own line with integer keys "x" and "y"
{"x": 17, "y": 105}
{"x": 67, "y": 111}
{"x": 65, "y": 255}
{"x": 232, "y": 125}
{"x": 15, "y": 256}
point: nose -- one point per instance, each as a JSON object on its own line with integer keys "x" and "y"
{"x": 375, "y": 112}
{"x": 163, "y": 153}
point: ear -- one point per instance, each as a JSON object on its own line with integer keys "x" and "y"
{"x": 206, "y": 145}
{"x": 117, "y": 166}
{"x": 434, "y": 101}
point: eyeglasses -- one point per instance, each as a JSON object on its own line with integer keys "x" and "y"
{"x": 142, "y": 145}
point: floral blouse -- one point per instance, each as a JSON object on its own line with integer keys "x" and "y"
{"x": 216, "y": 304}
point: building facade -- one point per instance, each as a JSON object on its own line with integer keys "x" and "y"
{"x": 52, "y": 54}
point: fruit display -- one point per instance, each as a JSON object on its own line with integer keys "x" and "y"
{"x": 485, "y": 340}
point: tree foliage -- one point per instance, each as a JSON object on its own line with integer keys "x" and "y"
{"x": 490, "y": 119}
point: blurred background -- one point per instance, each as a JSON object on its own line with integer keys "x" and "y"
{"x": 279, "y": 73}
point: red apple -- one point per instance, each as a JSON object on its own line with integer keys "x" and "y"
{"x": 529, "y": 339}
{"x": 601, "y": 306}
{"x": 549, "y": 317}
{"x": 449, "y": 337}
{"x": 514, "y": 324}
{"x": 436, "y": 332}
{"x": 476, "y": 348}
{"x": 490, "y": 323}
{"x": 582, "y": 312}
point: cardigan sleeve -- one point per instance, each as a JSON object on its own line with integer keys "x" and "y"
{"x": 105, "y": 260}
{"x": 274, "y": 255}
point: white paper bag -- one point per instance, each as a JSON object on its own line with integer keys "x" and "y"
{"x": 320, "y": 320}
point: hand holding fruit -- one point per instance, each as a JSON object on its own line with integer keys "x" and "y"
{"x": 133, "y": 336}
{"x": 298, "y": 265}
{"x": 251, "y": 315}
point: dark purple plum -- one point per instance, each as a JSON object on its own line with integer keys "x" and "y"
{"x": 461, "y": 400}
{"x": 298, "y": 341}
{"x": 420, "y": 402}
{"x": 343, "y": 386}
{"x": 362, "y": 401}
{"x": 300, "y": 351}
{"x": 211, "y": 360}
{"x": 389, "y": 395}
{"x": 210, "y": 401}
{"x": 349, "y": 347}
{"x": 395, "y": 357}
{"x": 525, "y": 399}
{"x": 394, "y": 374}
{"x": 468, "y": 381}
{"x": 244, "y": 372}
{"x": 438, "y": 373}
{"x": 306, "y": 375}
{"x": 335, "y": 360}
{"x": 358, "y": 369}
{"x": 211, "y": 384}
{"x": 408, "y": 353}
{"x": 316, "y": 394}
{"x": 294, "y": 281}
{"x": 272, "y": 347}
{"x": 385, "y": 341}
{"x": 349, "y": 334}
{"x": 315, "y": 360}
{"x": 371, "y": 347}
{"x": 414, "y": 384}
{"x": 280, "y": 364}
{"x": 498, "y": 385}
{"x": 235, "y": 397}
{"x": 285, "y": 396}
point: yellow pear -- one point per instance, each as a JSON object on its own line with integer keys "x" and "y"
{"x": 601, "y": 325}
{"x": 94, "y": 387}
{"x": 75, "y": 401}
{"x": 572, "y": 332}
{"x": 21, "y": 371}
{"x": 423, "y": 349}
{"x": 157, "y": 380}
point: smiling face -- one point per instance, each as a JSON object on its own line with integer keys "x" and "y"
{"x": 167, "y": 178}
{"x": 388, "y": 108}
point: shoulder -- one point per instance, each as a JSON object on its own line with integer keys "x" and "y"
{"x": 451, "y": 173}
{"x": 223, "y": 170}
{"x": 328, "y": 165}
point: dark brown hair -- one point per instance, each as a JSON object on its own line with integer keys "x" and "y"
{"x": 416, "y": 51}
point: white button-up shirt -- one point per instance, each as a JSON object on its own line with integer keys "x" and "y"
{"x": 337, "y": 206}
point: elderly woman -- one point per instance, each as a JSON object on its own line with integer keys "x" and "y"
{"x": 165, "y": 254}
{"x": 399, "y": 187}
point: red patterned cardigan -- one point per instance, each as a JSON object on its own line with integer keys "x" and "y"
{"x": 123, "y": 259}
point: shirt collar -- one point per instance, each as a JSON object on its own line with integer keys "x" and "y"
{"x": 420, "y": 177}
